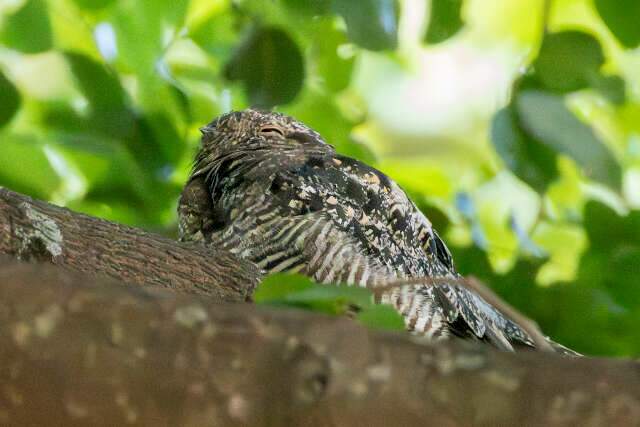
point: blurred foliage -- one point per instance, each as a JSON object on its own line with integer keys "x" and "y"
{"x": 445, "y": 20}
{"x": 280, "y": 57}
{"x": 515, "y": 126}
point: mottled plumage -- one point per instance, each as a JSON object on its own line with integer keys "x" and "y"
{"x": 271, "y": 190}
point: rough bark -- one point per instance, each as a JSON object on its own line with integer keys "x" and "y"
{"x": 79, "y": 350}
{"x": 35, "y": 230}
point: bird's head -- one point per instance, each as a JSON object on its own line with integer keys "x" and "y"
{"x": 250, "y": 132}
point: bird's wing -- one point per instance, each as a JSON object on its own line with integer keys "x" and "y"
{"x": 284, "y": 225}
{"x": 350, "y": 224}
{"x": 195, "y": 211}
{"x": 375, "y": 212}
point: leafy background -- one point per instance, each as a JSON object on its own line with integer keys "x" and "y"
{"x": 514, "y": 125}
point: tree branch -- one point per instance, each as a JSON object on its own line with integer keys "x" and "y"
{"x": 31, "y": 229}
{"x": 77, "y": 350}
{"x": 34, "y": 230}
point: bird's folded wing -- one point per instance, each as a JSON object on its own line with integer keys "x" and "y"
{"x": 435, "y": 311}
{"x": 439, "y": 310}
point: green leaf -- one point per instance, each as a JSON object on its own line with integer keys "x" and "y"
{"x": 94, "y": 156}
{"x": 271, "y": 66}
{"x": 546, "y": 118}
{"x": 371, "y": 24}
{"x": 93, "y": 4}
{"x": 623, "y": 19}
{"x": 157, "y": 142}
{"x": 105, "y": 94}
{"x": 612, "y": 260}
{"x": 611, "y": 87}
{"x": 529, "y": 160}
{"x": 300, "y": 291}
{"x": 29, "y": 29}
{"x": 277, "y": 287}
{"x": 568, "y": 61}
{"x": 179, "y": 95}
{"x": 607, "y": 229}
{"x": 381, "y": 316}
{"x": 309, "y": 7}
{"x": 59, "y": 115}
{"x": 150, "y": 138}
{"x": 24, "y": 166}
{"x": 445, "y": 20}
{"x": 333, "y": 70}
{"x": 580, "y": 315}
{"x": 333, "y": 299}
{"x": 144, "y": 30}
{"x": 216, "y": 34}
{"x": 10, "y": 100}
{"x": 99, "y": 85}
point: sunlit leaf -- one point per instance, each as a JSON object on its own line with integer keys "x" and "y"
{"x": 276, "y": 287}
{"x": 381, "y": 317}
{"x": 152, "y": 138}
{"x": 10, "y": 100}
{"x": 217, "y": 34}
{"x": 143, "y": 29}
{"x": 300, "y": 291}
{"x": 445, "y": 20}
{"x": 568, "y": 60}
{"x": 93, "y": 4}
{"x": 335, "y": 299}
{"x": 24, "y": 166}
{"x": 564, "y": 243}
{"x": 294, "y": 290}
{"x": 333, "y": 70}
{"x": 623, "y": 19}
{"x": 270, "y": 65}
{"x": 371, "y": 24}
{"x": 546, "y": 118}
{"x": 121, "y": 211}
{"x": 418, "y": 174}
{"x": 28, "y": 29}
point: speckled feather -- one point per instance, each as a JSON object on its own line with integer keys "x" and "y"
{"x": 271, "y": 190}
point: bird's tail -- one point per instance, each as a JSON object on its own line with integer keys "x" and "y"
{"x": 562, "y": 350}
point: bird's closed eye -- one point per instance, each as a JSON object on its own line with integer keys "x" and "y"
{"x": 271, "y": 131}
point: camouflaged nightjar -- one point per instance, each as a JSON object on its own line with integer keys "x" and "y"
{"x": 269, "y": 189}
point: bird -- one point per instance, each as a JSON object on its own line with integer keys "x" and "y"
{"x": 270, "y": 189}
